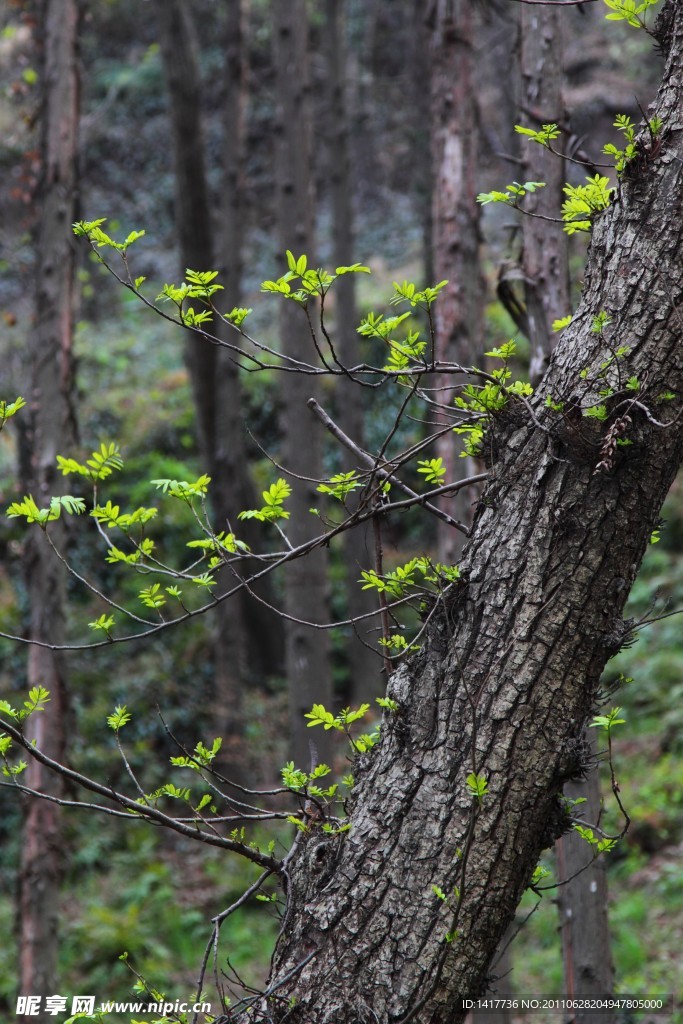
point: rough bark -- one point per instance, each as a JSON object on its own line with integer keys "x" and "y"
{"x": 455, "y": 228}
{"x": 364, "y": 666}
{"x": 306, "y": 649}
{"x": 510, "y": 668}
{"x": 51, "y": 430}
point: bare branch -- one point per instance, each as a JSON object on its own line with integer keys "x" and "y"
{"x": 143, "y": 810}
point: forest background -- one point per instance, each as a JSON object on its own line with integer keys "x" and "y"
{"x": 131, "y": 889}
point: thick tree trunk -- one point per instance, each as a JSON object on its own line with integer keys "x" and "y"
{"x": 455, "y": 229}
{"x": 511, "y": 666}
{"x": 306, "y": 649}
{"x": 51, "y": 429}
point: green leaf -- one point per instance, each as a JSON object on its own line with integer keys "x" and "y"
{"x": 559, "y": 325}
{"x": 355, "y": 268}
{"x": 387, "y": 703}
{"x": 292, "y": 777}
{"x": 133, "y": 237}
{"x": 273, "y": 501}
{"x": 504, "y": 352}
{"x": 477, "y": 784}
{"x": 30, "y": 511}
{"x": 99, "y": 466}
{"x": 433, "y": 469}
{"x": 584, "y": 201}
{"x": 152, "y": 596}
{"x": 320, "y": 716}
{"x": 8, "y": 409}
{"x": 608, "y": 721}
{"x": 119, "y": 717}
{"x": 543, "y": 137}
{"x": 341, "y": 485}
{"x": 104, "y": 622}
{"x": 539, "y": 874}
{"x": 205, "y": 579}
{"x": 596, "y": 412}
{"x": 183, "y": 489}
{"x": 237, "y": 315}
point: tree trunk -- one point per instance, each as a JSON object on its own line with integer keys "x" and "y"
{"x": 455, "y": 230}
{"x": 50, "y": 432}
{"x": 192, "y": 203}
{"x": 195, "y": 232}
{"x": 260, "y": 628}
{"x": 421, "y": 134}
{"x": 582, "y": 906}
{"x": 364, "y": 665}
{"x": 213, "y": 375}
{"x": 510, "y": 667}
{"x": 545, "y": 258}
{"x": 306, "y": 649}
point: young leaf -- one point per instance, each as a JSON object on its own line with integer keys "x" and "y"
{"x": 119, "y": 717}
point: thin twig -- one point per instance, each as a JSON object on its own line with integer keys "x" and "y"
{"x": 384, "y": 474}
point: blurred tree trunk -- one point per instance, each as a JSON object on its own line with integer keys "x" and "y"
{"x": 51, "y": 431}
{"x": 195, "y": 231}
{"x": 179, "y": 51}
{"x": 545, "y": 252}
{"x": 364, "y": 665}
{"x": 582, "y": 895}
{"x": 307, "y": 658}
{"x": 248, "y": 638}
{"x": 420, "y": 133}
{"x": 582, "y": 905}
{"x": 214, "y": 377}
{"x": 455, "y": 228}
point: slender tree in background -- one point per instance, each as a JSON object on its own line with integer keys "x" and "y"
{"x": 420, "y": 132}
{"x": 51, "y": 428}
{"x": 455, "y": 227}
{"x": 582, "y": 895}
{"x": 246, "y": 637}
{"x": 307, "y": 658}
{"x": 192, "y": 201}
{"x": 195, "y": 230}
{"x": 365, "y": 679}
{"x": 545, "y": 251}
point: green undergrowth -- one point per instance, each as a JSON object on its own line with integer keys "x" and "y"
{"x": 645, "y": 871}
